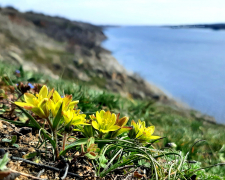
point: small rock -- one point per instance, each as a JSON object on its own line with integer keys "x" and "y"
{"x": 171, "y": 145}
{"x": 31, "y": 149}
{"x": 25, "y": 130}
{"x": 2, "y": 152}
{"x": 12, "y": 176}
{"x": 4, "y": 126}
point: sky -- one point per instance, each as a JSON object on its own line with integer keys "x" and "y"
{"x": 128, "y": 12}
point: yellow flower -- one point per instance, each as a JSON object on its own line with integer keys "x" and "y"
{"x": 38, "y": 103}
{"x": 121, "y": 123}
{"x": 104, "y": 121}
{"x": 143, "y": 133}
{"x": 74, "y": 117}
{"x": 55, "y": 103}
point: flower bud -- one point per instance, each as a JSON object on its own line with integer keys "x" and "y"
{"x": 132, "y": 133}
{"x": 69, "y": 128}
{"x": 88, "y": 131}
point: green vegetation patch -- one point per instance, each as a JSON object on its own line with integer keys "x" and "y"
{"x": 118, "y": 132}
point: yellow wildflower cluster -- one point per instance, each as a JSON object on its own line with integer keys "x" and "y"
{"x": 141, "y": 132}
{"x": 105, "y": 123}
{"x": 45, "y": 102}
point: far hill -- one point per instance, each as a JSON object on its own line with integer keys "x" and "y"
{"x": 219, "y": 26}
{"x": 71, "y": 49}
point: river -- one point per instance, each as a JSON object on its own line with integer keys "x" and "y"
{"x": 188, "y": 64}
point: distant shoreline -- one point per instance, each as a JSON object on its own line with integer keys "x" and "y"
{"x": 219, "y": 26}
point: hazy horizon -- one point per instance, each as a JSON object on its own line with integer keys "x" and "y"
{"x": 128, "y": 12}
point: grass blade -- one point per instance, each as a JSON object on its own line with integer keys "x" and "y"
{"x": 74, "y": 144}
{"x": 57, "y": 118}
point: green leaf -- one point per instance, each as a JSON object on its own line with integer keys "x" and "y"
{"x": 14, "y": 138}
{"x": 23, "y": 118}
{"x": 21, "y": 71}
{"x": 57, "y": 118}
{"x": 16, "y": 145}
{"x": 3, "y": 162}
{"x": 90, "y": 141}
{"x": 144, "y": 163}
{"x": 124, "y": 162}
{"x": 67, "y": 127}
{"x": 112, "y": 159}
{"x": 74, "y": 144}
{"x": 33, "y": 121}
{"x": 19, "y": 123}
{"x": 30, "y": 155}
{"x": 6, "y": 140}
{"x": 88, "y": 131}
{"x": 2, "y": 111}
{"x": 90, "y": 156}
{"x": 102, "y": 160}
{"x": 7, "y": 80}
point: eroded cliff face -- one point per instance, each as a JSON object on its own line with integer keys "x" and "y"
{"x": 55, "y": 45}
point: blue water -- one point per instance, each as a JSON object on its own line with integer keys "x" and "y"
{"x": 187, "y": 63}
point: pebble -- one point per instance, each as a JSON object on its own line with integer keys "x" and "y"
{"x": 25, "y": 130}
{"x": 2, "y": 152}
{"x": 23, "y": 153}
{"x": 31, "y": 149}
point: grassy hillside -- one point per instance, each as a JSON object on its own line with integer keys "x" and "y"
{"x": 204, "y": 141}
{"x": 53, "y": 45}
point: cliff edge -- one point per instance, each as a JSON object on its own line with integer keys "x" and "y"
{"x": 55, "y": 46}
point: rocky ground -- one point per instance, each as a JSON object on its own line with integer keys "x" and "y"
{"x": 31, "y": 159}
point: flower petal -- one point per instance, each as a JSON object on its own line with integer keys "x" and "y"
{"x": 24, "y": 105}
{"x": 98, "y": 117}
{"x": 29, "y": 98}
{"x": 155, "y": 137}
{"x": 114, "y": 128}
{"x": 104, "y": 130}
{"x": 122, "y": 121}
{"x": 66, "y": 101}
{"x": 43, "y": 93}
{"x": 107, "y": 115}
{"x": 150, "y": 130}
{"x": 121, "y": 131}
{"x": 113, "y": 119}
{"x": 93, "y": 118}
{"x": 38, "y": 111}
{"x": 50, "y": 93}
{"x": 51, "y": 106}
{"x": 42, "y": 102}
{"x": 56, "y": 97}
{"x": 102, "y": 113}
{"x": 95, "y": 125}
{"x": 73, "y": 103}
{"x": 133, "y": 123}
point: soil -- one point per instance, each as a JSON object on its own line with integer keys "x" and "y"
{"x": 27, "y": 141}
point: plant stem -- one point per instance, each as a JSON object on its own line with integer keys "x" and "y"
{"x": 54, "y": 131}
{"x": 100, "y": 135}
{"x": 56, "y": 144}
{"x": 49, "y": 123}
{"x": 64, "y": 140}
